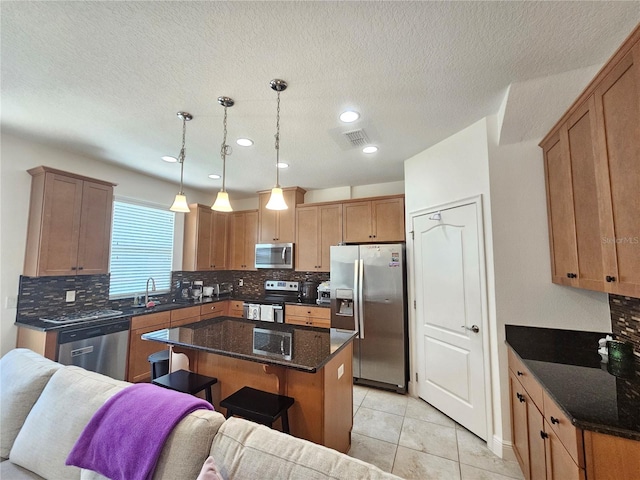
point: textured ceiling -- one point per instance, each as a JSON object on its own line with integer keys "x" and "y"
{"x": 107, "y": 78}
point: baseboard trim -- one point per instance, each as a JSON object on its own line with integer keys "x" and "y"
{"x": 501, "y": 448}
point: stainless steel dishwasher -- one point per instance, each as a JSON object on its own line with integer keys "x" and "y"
{"x": 101, "y": 348}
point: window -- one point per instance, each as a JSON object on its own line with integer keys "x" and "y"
{"x": 141, "y": 247}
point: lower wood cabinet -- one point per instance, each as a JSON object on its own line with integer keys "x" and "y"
{"x": 139, "y": 350}
{"x": 306, "y": 315}
{"x": 213, "y": 310}
{"x": 236, "y": 309}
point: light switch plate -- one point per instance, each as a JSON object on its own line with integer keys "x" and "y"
{"x": 340, "y": 371}
{"x": 241, "y": 282}
{"x": 71, "y": 296}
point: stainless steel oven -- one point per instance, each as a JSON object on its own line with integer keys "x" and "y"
{"x": 102, "y": 348}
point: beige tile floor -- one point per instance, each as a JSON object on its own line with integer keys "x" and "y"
{"x": 411, "y": 439}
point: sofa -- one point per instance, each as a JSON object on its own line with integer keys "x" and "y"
{"x": 44, "y": 407}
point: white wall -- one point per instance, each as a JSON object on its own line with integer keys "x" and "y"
{"x": 456, "y": 168}
{"x": 17, "y": 156}
{"x": 357, "y": 191}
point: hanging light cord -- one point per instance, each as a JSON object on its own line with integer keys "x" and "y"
{"x": 182, "y": 153}
{"x": 224, "y": 149}
{"x": 278, "y": 143}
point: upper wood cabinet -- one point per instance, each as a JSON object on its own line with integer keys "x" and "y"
{"x": 318, "y": 227}
{"x": 205, "y": 239}
{"x": 592, "y": 171}
{"x": 278, "y": 226}
{"x": 69, "y": 226}
{"x": 243, "y": 236}
{"x": 374, "y": 220}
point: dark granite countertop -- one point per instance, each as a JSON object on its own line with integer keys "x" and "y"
{"x": 595, "y": 396}
{"x": 307, "y": 304}
{"x": 312, "y": 347}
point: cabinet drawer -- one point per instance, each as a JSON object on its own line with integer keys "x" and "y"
{"x": 321, "y": 322}
{"x": 321, "y": 312}
{"x": 524, "y": 376}
{"x": 184, "y": 313}
{"x": 185, "y": 321}
{"x": 236, "y": 305}
{"x": 296, "y": 320}
{"x": 307, "y": 311}
{"x": 569, "y": 436}
{"x": 150, "y": 320}
{"x": 218, "y": 307}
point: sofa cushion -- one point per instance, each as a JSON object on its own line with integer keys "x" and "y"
{"x": 186, "y": 449}
{"x": 11, "y": 471}
{"x": 23, "y": 375}
{"x": 55, "y": 422}
{"x": 244, "y": 449}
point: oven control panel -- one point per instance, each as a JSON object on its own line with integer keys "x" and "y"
{"x": 282, "y": 285}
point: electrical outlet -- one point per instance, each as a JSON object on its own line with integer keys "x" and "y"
{"x": 340, "y": 371}
{"x": 240, "y": 282}
{"x": 11, "y": 302}
{"x": 71, "y": 296}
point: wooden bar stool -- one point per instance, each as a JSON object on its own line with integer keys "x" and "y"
{"x": 258, "y": 406}
{"x": 187, "y": 382}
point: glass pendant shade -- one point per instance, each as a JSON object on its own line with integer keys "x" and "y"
{"x": 276, "y": 201}
{"x": 222, "y": 203}
{"x": 180, "y": 204}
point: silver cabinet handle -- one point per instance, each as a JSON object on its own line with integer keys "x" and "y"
{"x": 473, "y": 328}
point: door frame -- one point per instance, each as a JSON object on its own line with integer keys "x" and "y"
{"x": 484, "y": 300}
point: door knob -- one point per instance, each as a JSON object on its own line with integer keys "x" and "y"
{"x": 473, "y": 328}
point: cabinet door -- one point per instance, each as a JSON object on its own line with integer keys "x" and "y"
{"x": 237, "y": 250}
{"x": 537, "y": 454}
{"x": 95, "y": 229}
{"x": 286, "y": 230}
{"x": 307, "y": 239}
{"x": 250, "y": 240}
{"x": 267, "y": 221}
{"x": 617, "y": 102}
{"x": 203, "y": 238}
{"x": 330, "y": 233}
{"x": 356, "y": 222}
{"x": 562, "y": 235}
{"x": 139, "y": 351}
{"x": 60, "y": 225}
{"x": 581, "y": 138}
{"x": 388, "y": 220}
{"x": 218, "y": 241}
{"x": 519, "y": 425}
{"x": 560, "y": 465}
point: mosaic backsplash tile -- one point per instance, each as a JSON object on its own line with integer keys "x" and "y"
{"x": 625, "y": 320}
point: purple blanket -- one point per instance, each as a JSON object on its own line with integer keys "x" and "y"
{"x": 124, "y": 438}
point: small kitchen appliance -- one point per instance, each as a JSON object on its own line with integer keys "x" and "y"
{"x": 274, "y": 255}
{"x": 308, "y": 292}
{"x": 226, "y": 288}
{"x": 324, "y": 294}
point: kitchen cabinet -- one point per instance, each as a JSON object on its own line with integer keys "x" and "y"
{"x": 318, "y": 227}
{"x": 307, "y": 315}
{"x": 44, "y": 343}
{"x": 69, "y": 225}
{"x": 546, "y": 444}
{"x": 205, "y": 239}
{"x": 374, "y": 220}
{"x": 184, "y": 316}
{"x": 278, "y": 226}
{"x": 139, "y": 369}
{"x": 214, "y": 310}
{"x": 611, "y": 458}
{"x": 592, "y": 179}
{"x": 243, "y": 236}
{"x": 236, "y": 308}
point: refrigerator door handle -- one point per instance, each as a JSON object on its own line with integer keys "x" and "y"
{"x": 361, "y": 298}
{"x": 356, "y": 299}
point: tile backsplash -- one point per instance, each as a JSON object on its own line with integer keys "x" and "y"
{"x": 40, "y": 296}
{"x": 625, "y": 320}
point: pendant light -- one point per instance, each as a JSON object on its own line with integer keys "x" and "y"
{"x": 222, "y": 200}
{"x": 276, "y": 201}
{"x": 180, "y": 203}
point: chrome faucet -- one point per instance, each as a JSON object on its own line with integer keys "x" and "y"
{"x": 153, "y": 289}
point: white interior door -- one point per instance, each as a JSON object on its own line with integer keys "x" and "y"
{"x": 449, "y": 327}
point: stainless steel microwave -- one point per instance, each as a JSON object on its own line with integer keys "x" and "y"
{"x": 274, "y": 255}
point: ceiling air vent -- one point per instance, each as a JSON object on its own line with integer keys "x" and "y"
{"x": 357, "y": 138}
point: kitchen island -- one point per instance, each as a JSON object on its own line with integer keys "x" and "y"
{"x": 312, "y": 365}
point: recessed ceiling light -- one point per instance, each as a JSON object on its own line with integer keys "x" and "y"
{"x": 282, "y": 165}
{"x": 244, "y": 142}
{"x": 169, "y": 159}
{"x": 214, "y": 176}
{"x": 370, "y": 149}
{"x": 349, "y": 116}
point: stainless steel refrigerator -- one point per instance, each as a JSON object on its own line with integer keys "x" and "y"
{"x": 369, "y": 295}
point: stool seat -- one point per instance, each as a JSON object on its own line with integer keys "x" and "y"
{"x": 159, "y": 363}
{"x": 259, "y": 406}
{"x": 187, "y": 382}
